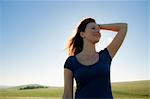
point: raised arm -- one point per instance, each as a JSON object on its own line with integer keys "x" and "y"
{"x": 68, "y": 84}
{"x": 121, "y": 28}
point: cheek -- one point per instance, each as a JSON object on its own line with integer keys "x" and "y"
{"x": 92, "y": 34}
{"x": 88, "y": 34}
{"x": 96, "y": 35}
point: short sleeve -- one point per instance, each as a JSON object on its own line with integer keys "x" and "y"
{"x": 68, "y": 63}
{"x": 106, "y": 55}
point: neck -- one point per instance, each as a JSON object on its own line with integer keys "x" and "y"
{"x": 88, "y": 48}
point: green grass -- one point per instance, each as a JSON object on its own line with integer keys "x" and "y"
{"x": 41, "y": 92}
{"x": 123, "y": 90}
{"x": 134, "y": 90}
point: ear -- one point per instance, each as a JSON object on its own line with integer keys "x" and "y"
{"x": 82, "y": 34}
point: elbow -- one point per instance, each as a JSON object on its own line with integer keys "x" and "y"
{"x": 124, "y": 27}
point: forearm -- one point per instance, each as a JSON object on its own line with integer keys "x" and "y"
{"x": 67, "y": 96}
{"x": 113, "y": 27}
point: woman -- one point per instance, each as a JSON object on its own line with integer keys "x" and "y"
{"x": 91, "y": 69}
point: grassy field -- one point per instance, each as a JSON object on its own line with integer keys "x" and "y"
{"x": 132, "y": 90}
{"x": 123, "y": 90}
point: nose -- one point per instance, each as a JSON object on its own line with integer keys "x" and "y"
{"x": 97, "y": 30}
{"x": 97, "y": 33}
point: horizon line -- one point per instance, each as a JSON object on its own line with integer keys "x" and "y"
{"x": 74, "y": 85}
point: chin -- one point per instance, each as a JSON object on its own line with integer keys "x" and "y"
{"x": 96, "y": 41}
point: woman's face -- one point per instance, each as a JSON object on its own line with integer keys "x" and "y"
{"x": 92, "y": 33}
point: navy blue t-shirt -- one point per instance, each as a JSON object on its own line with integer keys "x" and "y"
{"x": 93, "y": 81}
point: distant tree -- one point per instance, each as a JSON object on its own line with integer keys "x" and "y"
{"x": 32, "y": 87}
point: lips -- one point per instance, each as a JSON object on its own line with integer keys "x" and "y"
{"x": 97, "y": 34}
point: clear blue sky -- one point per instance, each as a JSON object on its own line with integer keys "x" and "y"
{"x": 33, "y": 35}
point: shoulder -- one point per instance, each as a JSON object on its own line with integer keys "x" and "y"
{"x": 69, "y": 58}
{"x": 105, "y": 54}
{"x": 69, "y": 63}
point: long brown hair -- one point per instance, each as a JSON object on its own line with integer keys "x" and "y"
{"x": 75, "y": 44}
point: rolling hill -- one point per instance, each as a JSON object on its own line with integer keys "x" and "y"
{"x": 121, "y": 90}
